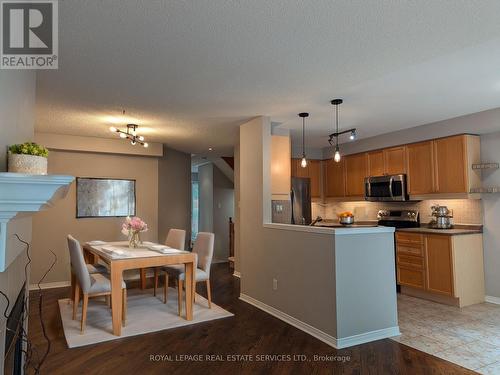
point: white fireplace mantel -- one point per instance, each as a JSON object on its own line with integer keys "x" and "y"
{"x": 21, "y": 195}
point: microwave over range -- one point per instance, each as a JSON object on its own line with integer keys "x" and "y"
{"x": 386, "y": 188}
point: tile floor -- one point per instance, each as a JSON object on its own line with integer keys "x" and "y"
{"x": 469, "y": 337}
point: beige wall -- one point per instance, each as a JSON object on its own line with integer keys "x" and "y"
{"x": 174, "y": 193}
{"x": 17, "y": 120}
{"x": 237, "y": 208}
{"x": 51, "y": 227}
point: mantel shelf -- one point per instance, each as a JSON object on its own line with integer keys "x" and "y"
{"x": 20, "y": 196}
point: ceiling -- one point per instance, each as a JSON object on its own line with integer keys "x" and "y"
{"x": 191, "y": 72}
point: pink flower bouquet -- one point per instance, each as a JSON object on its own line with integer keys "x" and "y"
{"x": 132, "y": 227}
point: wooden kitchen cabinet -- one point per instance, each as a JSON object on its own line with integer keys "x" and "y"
{"x": 439, "y": 264}
{"x": 439, "y": 267}
{"x": 395, "y": 160}
{"x": 312, "y": 171}
{"x": 334, "y": 178}
{"x": 356, "y": 170}
{"x": 388, "y": 161}
{"x": 376, "y": 163}
{"x": 420, "y": 174}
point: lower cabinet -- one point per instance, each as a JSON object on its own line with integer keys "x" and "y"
{"x": 440, "y": 267}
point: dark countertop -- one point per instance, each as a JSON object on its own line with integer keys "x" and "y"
{"x": 455, "y": 231}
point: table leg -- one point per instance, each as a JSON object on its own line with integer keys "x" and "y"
{"x": 143, "y": 278}
{"x": 189, "y": 285}
{"x": 116, "y": 298}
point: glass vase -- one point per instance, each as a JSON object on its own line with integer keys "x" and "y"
{"x": 134, "y": 240}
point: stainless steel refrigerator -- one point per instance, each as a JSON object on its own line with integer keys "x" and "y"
{"x": 301, "y": 201}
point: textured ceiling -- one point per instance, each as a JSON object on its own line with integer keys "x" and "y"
{"x": 189, "y": 72}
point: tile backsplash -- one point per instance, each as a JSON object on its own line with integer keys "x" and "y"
{"x": 465, "y": 211}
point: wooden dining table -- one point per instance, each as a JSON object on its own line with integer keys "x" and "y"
{"x": 125, "y": 258}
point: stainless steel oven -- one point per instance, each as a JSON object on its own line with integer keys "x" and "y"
{"x": 386, "y": 188}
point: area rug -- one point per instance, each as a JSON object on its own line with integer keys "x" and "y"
{"x": 145, "y": 314}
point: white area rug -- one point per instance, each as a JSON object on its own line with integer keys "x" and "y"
{"x": 145, "y": 314}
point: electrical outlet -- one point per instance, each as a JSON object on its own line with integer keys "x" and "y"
{"x": 275, "y": 284}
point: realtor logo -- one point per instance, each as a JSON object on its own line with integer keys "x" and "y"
{"x": 29, "y": 34}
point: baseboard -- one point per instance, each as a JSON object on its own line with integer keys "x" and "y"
{"x": 237, "y": 274}
{"x": 56, "y": 284}
{"x": 368, "y": 337}
{"x": 491, "y": 299}
{"x": 320, "y": 335}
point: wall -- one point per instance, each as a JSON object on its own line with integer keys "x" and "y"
{"x": 237, "y": 231}
{"x": 223, "y": 210}
{"x": 17, "y": 119}
{"x": 490, "y": 151}
{"x": 216, "y": 206}
{"x": 269, "y": 253}
{"x": 174, "y": 193}
{"x": 51, "y": 227}
{"x": 206, "y": 197}
{"x": 465, "y": 211}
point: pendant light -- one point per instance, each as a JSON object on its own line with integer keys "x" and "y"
{"x": 303, "y": 161}
{"x": 336, "y": 103}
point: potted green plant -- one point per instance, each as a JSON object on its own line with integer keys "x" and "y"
{"x": 28, "y": 158}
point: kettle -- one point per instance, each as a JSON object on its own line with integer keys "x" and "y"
{"x": 442, "y": 217}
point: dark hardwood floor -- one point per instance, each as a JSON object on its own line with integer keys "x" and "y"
{"x": 249, "y": 332}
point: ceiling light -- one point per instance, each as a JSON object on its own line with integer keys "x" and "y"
{"x": 303, "y": 162}
{"x": 352, "y": 136}
{"x": 334, "y": 137}
{"x": 131, "y": 134}
{"x": 123, "y": 135}
{"x": 140, "y": 138}
{"x": 113, "y": 129}
{"x": 210, "y": 149}
{"x": 146, "y": 144}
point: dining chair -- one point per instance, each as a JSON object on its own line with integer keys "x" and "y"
{"x": 91, "y": 285}
{"x": 204, "y": 250}
{"x": 176, "y": 238}
{"x": 92, "y": 268}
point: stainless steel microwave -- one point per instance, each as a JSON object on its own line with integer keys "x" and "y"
{"x": 386, "y": 188}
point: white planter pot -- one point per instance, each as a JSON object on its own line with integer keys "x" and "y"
{"x": 27, "y": 164}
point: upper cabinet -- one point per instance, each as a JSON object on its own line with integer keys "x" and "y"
{"x": 443, "y": 166}
{"x": 387, "y": 161}
{"x": 395, "y": 160}
{"x": 280, "y": 167}
{"x": 376, "y": 163}
{"x": 420, "y": 168}
{"x": 356, "y": 169}
{"x": 334, "y": 178}
{"x": 312, "y": 171}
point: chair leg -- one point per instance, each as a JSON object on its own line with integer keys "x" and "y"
{"x": 76, "y": 299}
{"x": 156, "y": 281}
{"x": 209, "y": 294}
{"x": 84, "y": 312}
{"x": 73, "y": 281}
{"x": 179, "y": 295}
{"x": 124, "y": 306}
{"x": 165, "y": 289}
{"x": 194, "y": 292}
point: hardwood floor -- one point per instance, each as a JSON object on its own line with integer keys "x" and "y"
{"x": 250, "y": 332}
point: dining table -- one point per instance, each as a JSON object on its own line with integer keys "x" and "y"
{"x": 119, "y": 257}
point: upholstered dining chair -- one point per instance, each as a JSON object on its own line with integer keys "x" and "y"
{"x": 176, "y": 239}
{"x": 92, "y": 268}
{"x": 204, "y": 249}
{"x": 91, "y": 285}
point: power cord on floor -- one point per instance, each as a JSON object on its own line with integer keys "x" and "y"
{"x": 30, "y": 350}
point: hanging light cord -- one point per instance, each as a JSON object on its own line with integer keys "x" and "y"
{"x": 337, "y": 124}
{"x": 303, "y": 136}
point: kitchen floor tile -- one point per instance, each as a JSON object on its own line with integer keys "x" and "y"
{"x": 462, "y": 357}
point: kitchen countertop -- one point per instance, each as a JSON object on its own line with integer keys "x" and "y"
{"x": 455, "y": 231}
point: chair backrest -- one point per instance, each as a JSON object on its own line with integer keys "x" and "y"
{"x": 176, "y": 238}
{"x": 204, "y": 249}
{"x": 78, "y": 265}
